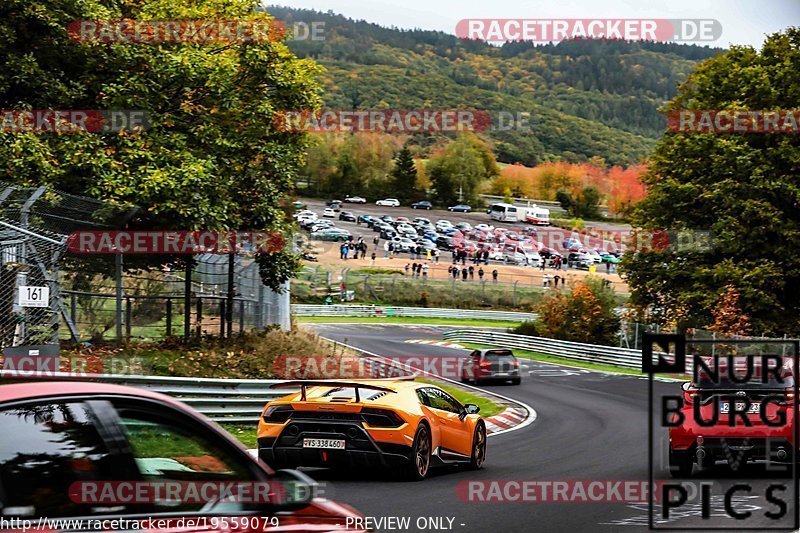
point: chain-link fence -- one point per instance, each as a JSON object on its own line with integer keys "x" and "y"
{"x": 47, "y": 294}
{"x": 148, "y": 305}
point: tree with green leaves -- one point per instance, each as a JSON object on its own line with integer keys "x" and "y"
{"x": 458, "y": 171}
{"x": 742, "y": 188}
{"x": 212, "y": 158}
{"x": 404, "y": 175}
{"x": 584, "y": 205}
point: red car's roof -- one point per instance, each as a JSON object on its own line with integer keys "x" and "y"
{"x": 14, "y": 391}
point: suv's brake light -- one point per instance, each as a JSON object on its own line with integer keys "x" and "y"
{"x": 789, "y": 392}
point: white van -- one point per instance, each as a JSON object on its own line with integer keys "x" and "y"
{"x": 503, "y": 212}
{"x": 538, "y": 216}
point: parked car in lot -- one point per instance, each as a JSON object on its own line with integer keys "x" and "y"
{"x": 321, "y": 225}
{"x": 347, "y": 216}
{"x": 421, "y": 220}
{"x": 608, "y": 257}
{"x": 329, "y": 213}
{"x": 460, "y": 208}
{"x": 68, "y": 434}
{"x": 422, "y": 205}
{"x": 404, "y": 244}
{"x": 520, "y": 256}
{"x": 331, "y": 234}
{"x": 484, "y": 227}
{"x": 388, "y": 202}
{"x": 386, "y": 218}
{"x": 371, "y": 424}
{"x": 355, "y": 200}
{"x": 579, "y": 260}
{"x": 406, "y": 229}
{"x": 366, "y": 219}
{"x": 464, "y": 226}
{"x": 442, "y": 225}
{"x": 444, "y": 242}
{"x": 497, "y": 364}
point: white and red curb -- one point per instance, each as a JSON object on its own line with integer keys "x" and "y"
{"x": 511, "y": 417}
{"x": 444, "y": 344}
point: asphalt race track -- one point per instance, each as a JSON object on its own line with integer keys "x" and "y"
{"x": 590, "y": 426}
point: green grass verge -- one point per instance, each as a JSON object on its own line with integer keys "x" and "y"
{"x": 247, "y": 433}
{"x": 466, "y": 322}
{"x": 545, "y": 358}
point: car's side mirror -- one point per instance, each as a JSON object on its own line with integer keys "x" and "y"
{"x": 469, "y": 409}
{"x": 472, "y": 409}
{"x": 294, "y": 490}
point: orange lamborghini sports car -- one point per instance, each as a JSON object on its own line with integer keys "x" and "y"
{"x": 403, "y": 425}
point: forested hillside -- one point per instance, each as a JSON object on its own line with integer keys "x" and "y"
{"x": 586, "y": 98}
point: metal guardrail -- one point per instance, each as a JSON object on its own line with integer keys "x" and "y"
{"x": 591, "y": 353}
{"x": 389, "y": 311}
{"x": 221, "y": 400}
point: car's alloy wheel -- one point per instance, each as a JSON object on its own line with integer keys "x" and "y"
{"x": 420, "y": 455}
{"x": 478, "y": 448}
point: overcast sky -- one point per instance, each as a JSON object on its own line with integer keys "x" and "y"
{"x": 743, "y": 21}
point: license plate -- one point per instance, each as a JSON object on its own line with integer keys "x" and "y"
{"x": 328, "y": 444}
{"x": 725, "y": 407}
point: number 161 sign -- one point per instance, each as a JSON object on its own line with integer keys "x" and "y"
{"x": 34, "y": 296}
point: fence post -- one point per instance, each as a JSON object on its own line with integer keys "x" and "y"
{"x": 118, "y": 276}
{"x": 73, "y": 308}
{"x": 222, "y": 316}
{"x": 260, "y": 307}
{"x": 241, "y": 317}
{"x": 187, "y": 302}
{"x": 199, "y": 317}
{"x": 514, "y": 296}
{"x": 169, "y": 317}
{"x": 231, "y": 294}
{"x": 128, "y": 316}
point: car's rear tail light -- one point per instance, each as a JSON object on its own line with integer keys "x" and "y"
{"x": 381, "y": 418}
{"x": 515, "y": 363}
{"x": 278, "y": 414}
{"x": 486, "y": 364}
{"x": 688, "y": 396}
{"x": 789, "y": 393}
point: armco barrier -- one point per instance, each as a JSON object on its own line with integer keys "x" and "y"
{"x": 222, "y": 400}
{"x": 389, "y": 311}
{"x": 590, "y": 353}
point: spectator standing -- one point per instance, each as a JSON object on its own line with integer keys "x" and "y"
{"x": 480, "y": 273}
{"x": 494, "y": 276}
{"x": 425, "y": 271}
{"x": 406, "y": 268}
{"x": 386, "y": 250}
{"x": 373, "y": 258}
{"x": 471, "y": 272}
{"x": 464, "y": 274}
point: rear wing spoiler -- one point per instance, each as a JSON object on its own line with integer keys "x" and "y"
{"x": 304, "y": 384}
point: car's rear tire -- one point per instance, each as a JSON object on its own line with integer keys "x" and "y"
{"x": 478, "y": 448}
{"x": 420, "y": 456}
{"x": 680, "y": 464}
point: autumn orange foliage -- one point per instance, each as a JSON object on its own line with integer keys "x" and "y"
{"x": 619, "y": 186}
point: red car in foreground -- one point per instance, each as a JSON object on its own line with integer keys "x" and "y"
{"x": 60, "y": 440}
{"x": 737, "y": 422}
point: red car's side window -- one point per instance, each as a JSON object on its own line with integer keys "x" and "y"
{"x": 44, "y": 449}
